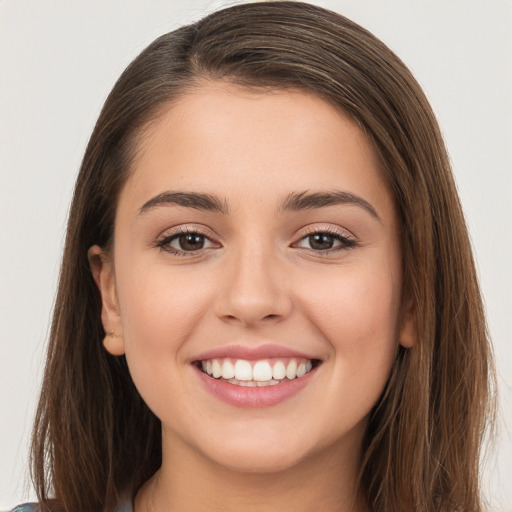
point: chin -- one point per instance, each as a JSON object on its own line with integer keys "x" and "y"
{"x": 256, "y": 460}
{"x": 264, "y": 451}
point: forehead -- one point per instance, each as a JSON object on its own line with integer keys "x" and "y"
{"x": 226, "y": 139}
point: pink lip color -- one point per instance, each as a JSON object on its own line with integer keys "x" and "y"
{"x": 250, "y": 353}
{"x": 242, "y": 396}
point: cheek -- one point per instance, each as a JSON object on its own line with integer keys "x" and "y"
{"x": 357, "y": 306}
{"x": 158, "y": 297}
{"x": 160, "y": 306}
{"x": 358, "y": 316}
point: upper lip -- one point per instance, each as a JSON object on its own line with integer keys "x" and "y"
{"x": 251, "y": 353}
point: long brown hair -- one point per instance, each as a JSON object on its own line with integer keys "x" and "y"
{"x": 94, "y": 437}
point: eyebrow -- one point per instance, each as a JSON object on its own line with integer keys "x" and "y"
{"x": 310, "y": 200}
{"x": 196, "y": 200}
{"x": 295, "y": 201}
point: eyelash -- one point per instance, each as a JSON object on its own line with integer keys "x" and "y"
{"x": 345, "y": 241}
{"x": 164, "y": 243}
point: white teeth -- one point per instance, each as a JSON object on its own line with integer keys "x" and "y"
{"x": 279, "y": 370}
{"x": 291, "y": 369}
{"x": 262, "y": 371}
{"x": 216, "y": 369}
{"x": 257, "y": 373}
{"x": 248, "y": 383}
{"x": 243, "y": 370}
{"x": 228, "y": 370}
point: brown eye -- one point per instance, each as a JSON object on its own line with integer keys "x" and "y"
{"x": 191, "y": 242}
{"x": 326, "y": 242}
{"x": 182, "y": 243}
{"x": 321, "y": 241}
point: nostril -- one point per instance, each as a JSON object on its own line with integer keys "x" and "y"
{"x": 250, "y": 305}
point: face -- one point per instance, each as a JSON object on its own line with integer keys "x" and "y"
{"x": 255, "y": 281}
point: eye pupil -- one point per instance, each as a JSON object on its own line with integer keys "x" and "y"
{"x": 191, "y": 242}
{"x": 321, "y": 241}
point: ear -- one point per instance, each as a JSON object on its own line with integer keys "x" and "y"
{"x": 102, "y": 268}
{"x": 408, "y": 332}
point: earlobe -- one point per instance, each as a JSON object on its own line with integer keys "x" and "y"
{"x": 102, "y": 269}
{"x": 113, "y": 343}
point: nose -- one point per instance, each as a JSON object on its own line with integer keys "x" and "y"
{"x": 254, "y": 290}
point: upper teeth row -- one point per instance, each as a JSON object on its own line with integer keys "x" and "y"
{"x": 259, "y": 371}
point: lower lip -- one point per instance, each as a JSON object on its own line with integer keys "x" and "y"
{"x": 244, "y": 396}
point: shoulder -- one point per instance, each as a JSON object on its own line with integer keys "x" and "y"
{"x": 26, "y": 507}
{"x": 124, "y": 506}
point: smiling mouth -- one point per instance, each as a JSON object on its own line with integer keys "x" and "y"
{"x": 260, "y": 373}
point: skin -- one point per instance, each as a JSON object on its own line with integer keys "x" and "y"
{"x": 257, "y": 280}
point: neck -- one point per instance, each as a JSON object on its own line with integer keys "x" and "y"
{"x": 187, "y": 481}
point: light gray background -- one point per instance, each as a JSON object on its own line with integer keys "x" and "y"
{"x": 59, "y": 59}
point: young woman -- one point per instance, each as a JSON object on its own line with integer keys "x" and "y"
{"x": 267, "y": 299}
